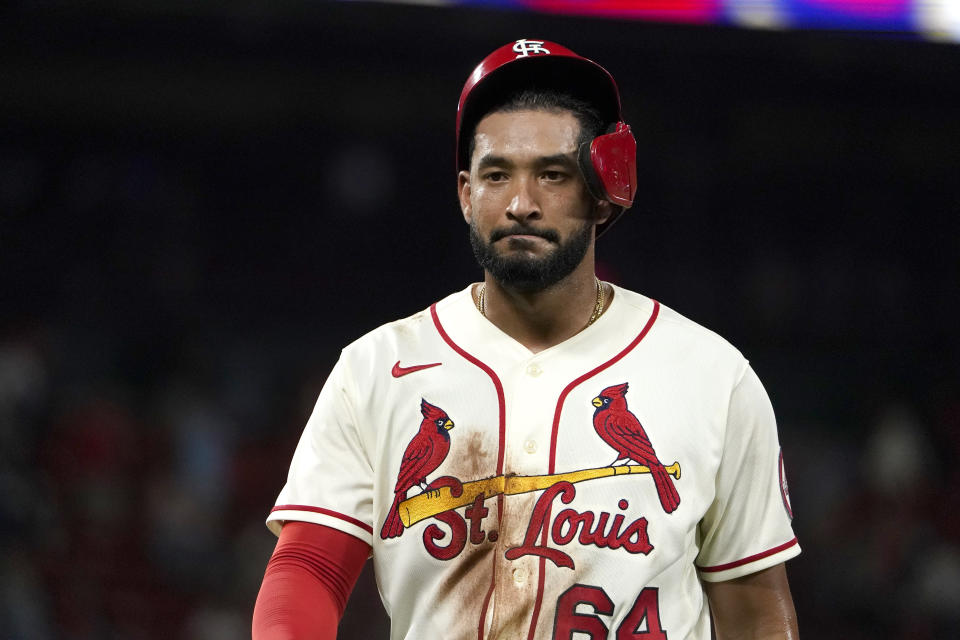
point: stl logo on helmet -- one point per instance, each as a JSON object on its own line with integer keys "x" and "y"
{"x": 526, "y": 48}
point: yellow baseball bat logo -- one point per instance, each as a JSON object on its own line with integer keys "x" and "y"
{"x": 430, "y": 503}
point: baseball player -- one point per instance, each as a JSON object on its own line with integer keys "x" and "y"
{"x": 542, "y": 454}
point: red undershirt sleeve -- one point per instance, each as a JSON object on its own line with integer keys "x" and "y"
{"x": 307, "y": 583}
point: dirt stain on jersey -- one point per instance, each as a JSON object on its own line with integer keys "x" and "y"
{"x": 477, "y": 458}
{"x": 514, "y": 598}
{"x": 556, "y": 582}
{"x": 467, "y": 578}
{"x": 466, "y": 583}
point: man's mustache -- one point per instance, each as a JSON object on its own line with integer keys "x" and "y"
{"x": 520, "y": 230}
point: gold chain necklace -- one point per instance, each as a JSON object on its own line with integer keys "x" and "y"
{"x": 597, "y": 308}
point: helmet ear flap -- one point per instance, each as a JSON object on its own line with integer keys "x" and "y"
{"x": 609, "y": 165}
{"x": 589, "y": 173}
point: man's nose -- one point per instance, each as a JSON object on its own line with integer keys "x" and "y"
{"x": 524, "y": 205}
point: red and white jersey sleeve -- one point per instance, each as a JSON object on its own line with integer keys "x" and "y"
{"x": 330, "y": 480}
{"x": 747, "y": 527}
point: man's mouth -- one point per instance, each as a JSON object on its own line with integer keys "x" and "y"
{"x": 525, "y": 235}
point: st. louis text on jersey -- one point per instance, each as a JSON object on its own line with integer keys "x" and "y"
{"x": 618, "y": 426}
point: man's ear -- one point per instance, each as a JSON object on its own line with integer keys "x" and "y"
{"x": 603, "y": 210}
{"x": 463, "y": 192}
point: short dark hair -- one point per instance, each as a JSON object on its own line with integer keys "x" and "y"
{"x": 550, "y": 100}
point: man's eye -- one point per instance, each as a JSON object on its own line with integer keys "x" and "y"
{"x": 553, "y": 176}
{"x": 496, "y": 176}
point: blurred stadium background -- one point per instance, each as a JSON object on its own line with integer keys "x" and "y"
{"x": 201, "y": 203}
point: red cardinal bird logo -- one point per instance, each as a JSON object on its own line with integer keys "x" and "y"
{"x": 620, "y": 429}
{"x": 426, "y": 451}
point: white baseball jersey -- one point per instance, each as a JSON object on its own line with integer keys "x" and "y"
{"x": 579, "y": 492}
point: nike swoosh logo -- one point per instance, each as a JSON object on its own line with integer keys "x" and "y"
{"x": 399, "y": 371}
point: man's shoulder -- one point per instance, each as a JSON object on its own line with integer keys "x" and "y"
{"x": 680, "y": 330}
{"x": 384, "y": 341}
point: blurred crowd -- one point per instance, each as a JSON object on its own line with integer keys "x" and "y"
{"x": 129, "y": 509}
{"x": 879, "y": 521}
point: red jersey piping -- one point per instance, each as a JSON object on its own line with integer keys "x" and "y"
{"x": 749, "y": 559}
{"x": 502, "y": 408}
{"x": 326, "y": 512}
{"x": 553, "y": 444}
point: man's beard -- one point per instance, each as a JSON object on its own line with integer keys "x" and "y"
{"x": 531, "y": 274}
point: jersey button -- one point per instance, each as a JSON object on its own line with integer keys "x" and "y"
{"x": 520, "y": 575}
{"x": 534, "y": 370}
{"x": 530, "y": 446}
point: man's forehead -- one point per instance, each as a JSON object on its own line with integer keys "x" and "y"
{"x": 537, "y": 133}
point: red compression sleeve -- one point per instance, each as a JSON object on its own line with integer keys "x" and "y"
{"x": 307, "y": 583}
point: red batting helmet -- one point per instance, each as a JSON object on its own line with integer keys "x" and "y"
{"x": 608, "y": 162}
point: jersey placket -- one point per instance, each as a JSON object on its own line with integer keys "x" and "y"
{"x": 530, "y": 401}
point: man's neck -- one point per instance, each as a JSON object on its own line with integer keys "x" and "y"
{"x": 541, "y": 319}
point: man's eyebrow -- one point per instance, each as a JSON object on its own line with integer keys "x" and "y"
{"x": 563, "y": 159}
{"x": 491, "y": 160}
